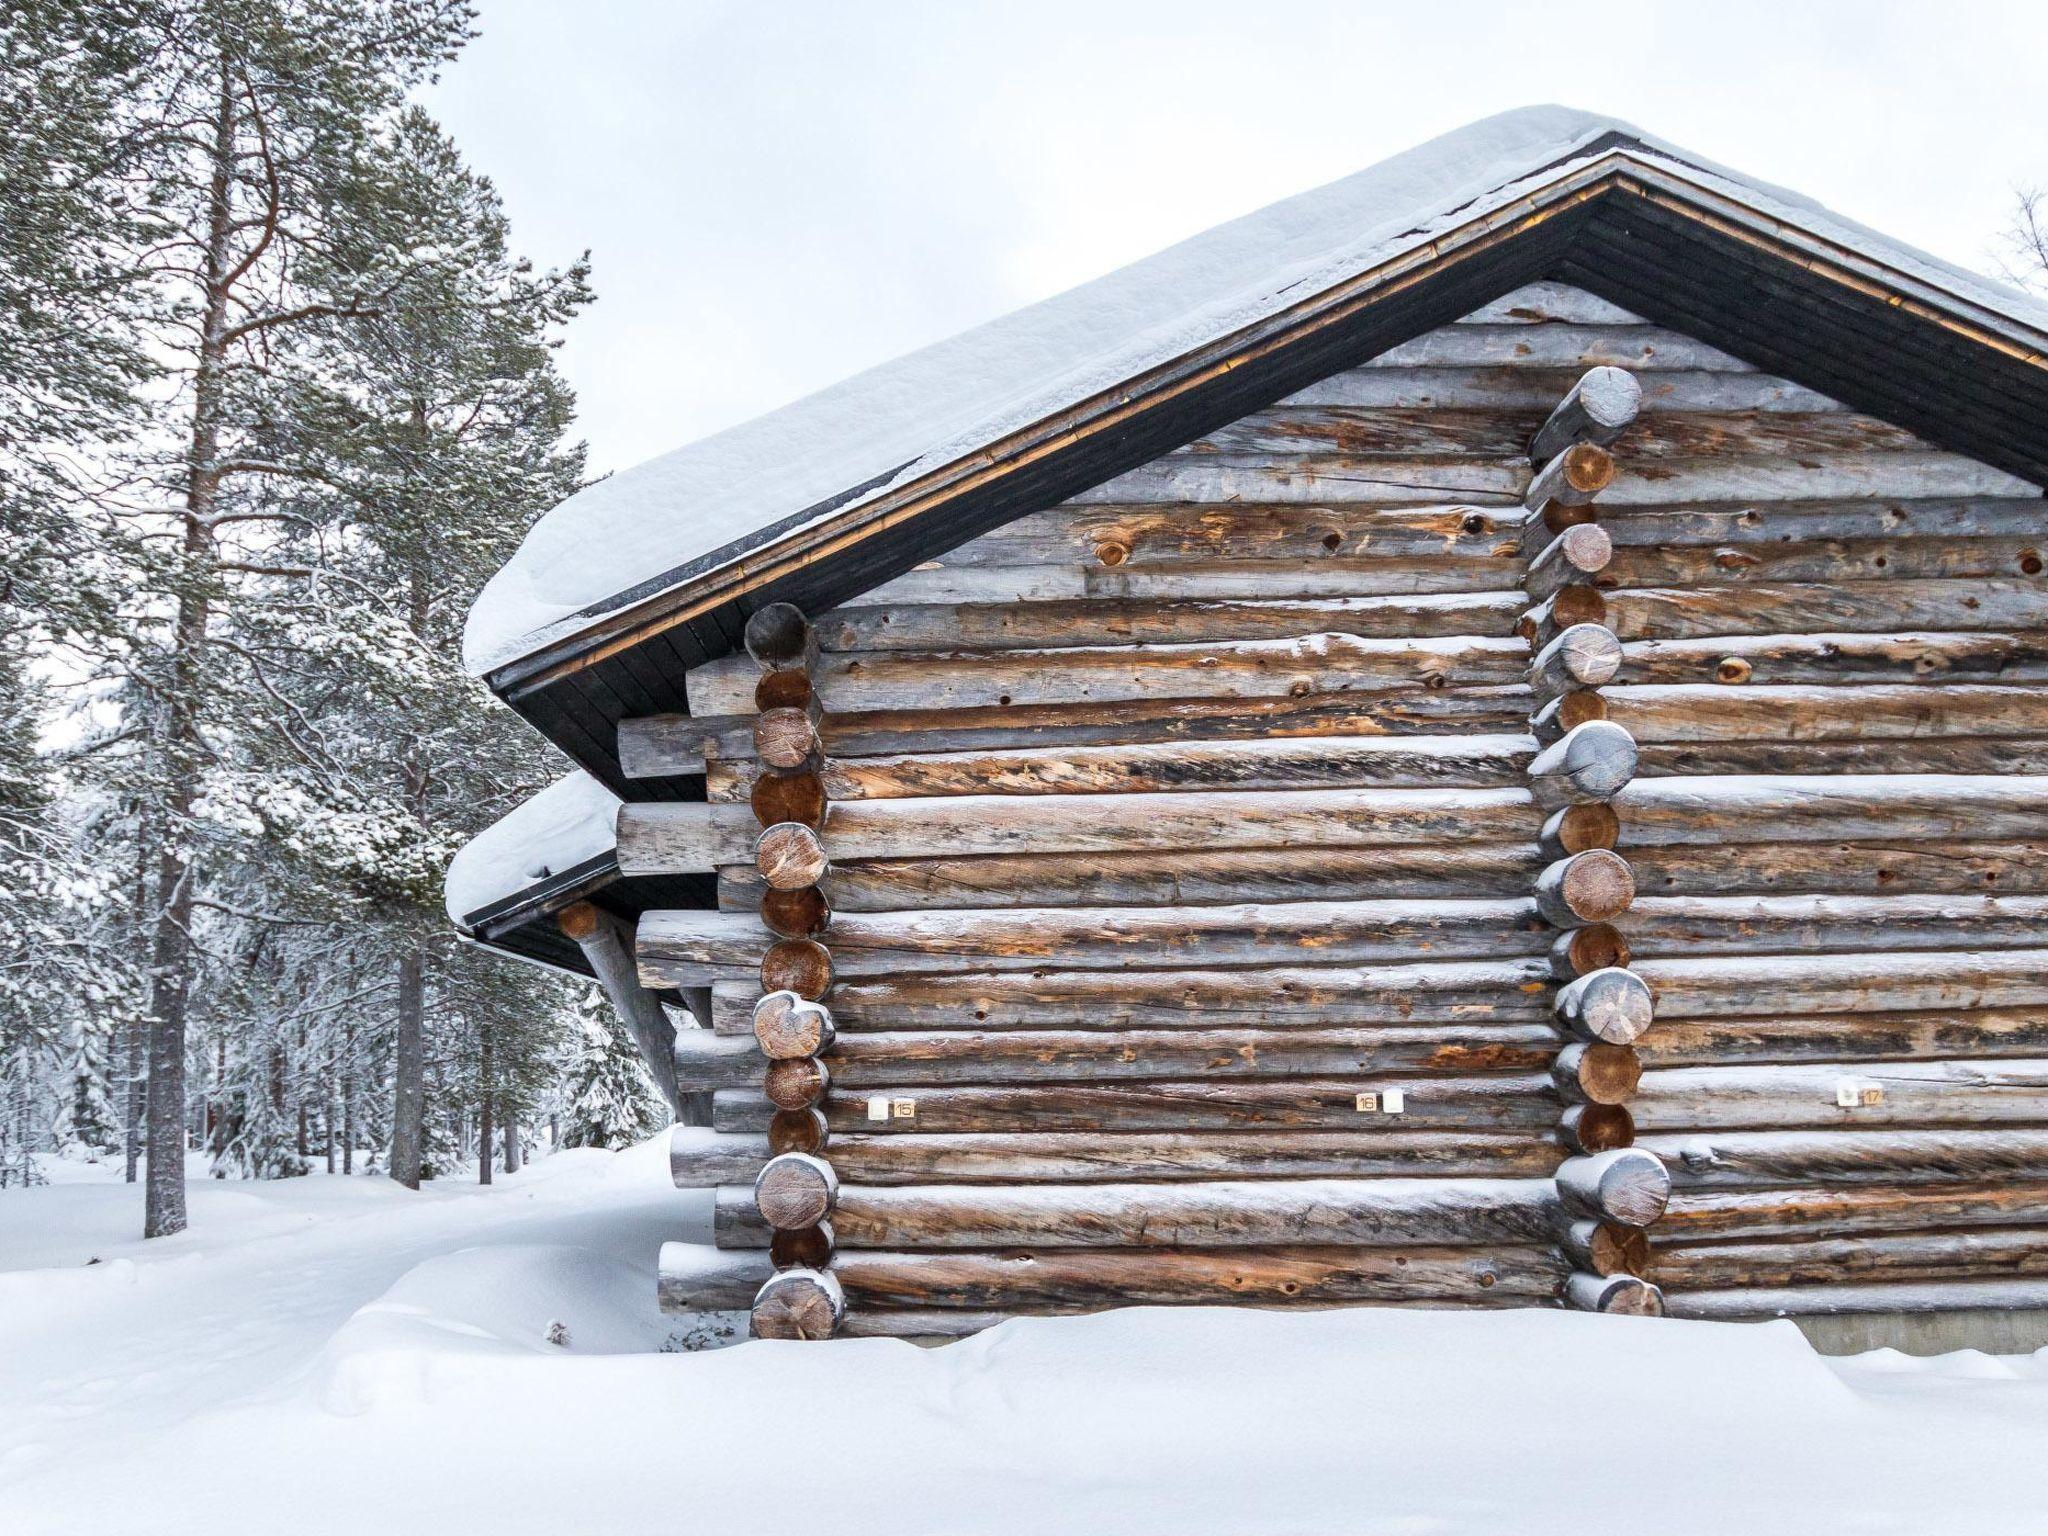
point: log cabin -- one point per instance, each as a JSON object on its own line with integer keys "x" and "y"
{"x": 1476, "y": 738}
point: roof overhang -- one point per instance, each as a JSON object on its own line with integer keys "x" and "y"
{"x": 1681, "y": 245}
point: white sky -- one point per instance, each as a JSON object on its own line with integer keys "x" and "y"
{"x": 778, "y": 195}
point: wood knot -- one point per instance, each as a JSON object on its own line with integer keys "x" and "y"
{"x": 1733, "y": 669}
{"x": 2030, "y": 562}
{"x": 1112, "y": 552}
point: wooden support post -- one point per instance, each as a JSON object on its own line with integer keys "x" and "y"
{"x": 598, "y": 934}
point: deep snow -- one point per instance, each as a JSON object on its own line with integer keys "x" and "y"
{"x": 340, "y": 1355}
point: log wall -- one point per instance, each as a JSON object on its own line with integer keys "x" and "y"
{"x": 1205, "y": 894}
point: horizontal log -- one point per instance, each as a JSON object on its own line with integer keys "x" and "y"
{"x": 1810, "y": 520}
{"x": 1622, "y": 1294}
{"x": 1739, "y": 1159}
{"x": 2015, "y": 604}
{"x": 1544, "y": 622}
{"x": 1826, "y": 808}
{"x": 1519, "y": 385}
{"x": 1323, "y": 663}
{"x": 665, "y": 838}
{"x": 1813, "y": 1260}
{"x": 1233, "y": 1214}
{"x": 705, "y": 1061}
{"x": 1734, "y": 985}
{"x": 2004, "y": 756}
{"x": 1110, "y": 1277}
{"x": 701, "y": 1158}
{"x": 1159, "y": 878}
{"x": 1824, "y": 1300}
{"x": 1963, "y": 1093}
{"x": 1582, "y": 951}
{"x": 1718, "y": 1215}
{"x": 1597, "y": 1073}
{"x": 1312, "y": 762}
{"x": 1644, "y": 348}
{"x": 1688, "y": 712}
{"x": 957, "y": 1056}
{"x": 1591, "y": 1128}
{"x": 1830, "y": 560}
{"x": 789, "y": 854}
{"x": 1845, "y": 868}
{"x": 1848, "y": 1037}
{"x": 1600, "y": 1248}
{"x": 1033, "y": 1157}
{"x": 1597, "y": 410}
{"x": 689, "y": 947}
{"x": 1492, "y": 569}
{"x": 1565, "y": 713}
{"x": 1837, "y": 657}
{"x": 786, "y": 1027}
{"x": 1493, "y": 1101}
{"x": 1478, "y": 991}
{"x": 696, "y": 1277}
{"x": 1701, "y": 925}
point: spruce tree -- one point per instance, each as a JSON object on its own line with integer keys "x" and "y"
{"x": 608, "y": 1100}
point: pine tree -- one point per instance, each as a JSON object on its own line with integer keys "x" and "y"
{"x": 608, "y": 1100}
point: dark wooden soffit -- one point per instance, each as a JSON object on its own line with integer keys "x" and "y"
{"x": 1880, "y": 339}
{"x": 524, "y": 924}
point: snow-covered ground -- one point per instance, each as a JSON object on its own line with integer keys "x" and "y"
{"x": 340, "y": 1355}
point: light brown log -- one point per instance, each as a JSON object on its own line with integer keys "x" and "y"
{"x": 1591, "y": 887}
{"x": 797, "y": 1130}
{"x": 1560, "y": 611}
{"x": 1975, "y": 756}
{"x": 785, "y": 739}
{"x": 795, "y": 1190}
{"x": 1571, "y": 479}
{"x": 1722, "y": 1214}
{"x": 803, "y": 1247}
{"x": 1597, "y": 1073}
{"x": 802, "y": 966}
{"x": 1498, "y": 1100}
{"x": 795, "y": 1085}
{"x": 1625, "y": 1295}
{"x": 799, "y": 1304}
{"x": 1756, "y": 984}
{"x": 1629, "y": 1187}
{"x": 1253, "y": 997}
{"x": 1591, "y": 1128}
{"x": 780, "y": 797}
{"x": 1103, "y": 1277}
{"x": 1962, "y": 1093}
{"x": 800, "y": 914}
{"x": 787, "y": 1027}
{"x": 1582, "y": 951}
{"x": 1686, "y": 712}
{"x": 1734, "y": 1159}
{"x": 1847, "y": 868}
{"x": 1159, "y": 877}
{"x": 1600, "y": 1248}
{"x": 1611, "y": 1007}
{"x": 1593, "y": 761}
{"x": 1574, "y": 558}
{"x": 789, "y": 855}
{"x": 1598, "y": 409}
{"x": 1584, "y": 656}
{"x": 1578, "y": 829}
{"x": 1241, "y": 1214}
{"x": 778, "y": 635}
{"x": 787, "y": 688}
{"x": 1566, "y": 713}
{"x": 1823, "y": 1300}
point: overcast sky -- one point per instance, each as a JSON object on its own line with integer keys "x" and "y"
{"x": 776, "y": 196}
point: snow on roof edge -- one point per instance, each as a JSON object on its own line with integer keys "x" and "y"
{"x": 621, "y": 539}
{"x": 566, "y": 824}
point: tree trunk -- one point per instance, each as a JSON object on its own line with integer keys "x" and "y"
{"x": 485, "y": 1086}
{"x": 409, "y": 1108}
{"x": 348, "y": 1099}
{"x": 512, "y": 1145}
{"x": 138, "y": 1029}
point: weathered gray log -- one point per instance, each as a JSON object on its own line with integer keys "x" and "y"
{"x": 1823, "y": 1300}
{"x": 799, "y": 1304}
{"x": 1598, "y": 409}
{"x": 1848, "y": 1037}
{"x": 1963, "y": 1093}
{"x": 1735, "y": 985}
{"x": 1846, "y": 868}
{"x": 1241, "y": 1214}
{"x": 701, "y": 1158}
{"x": 2008, "y": 603}
{"x": 1699, "y": 387}
{"x": 604, "y": 946}
{"x": 1685, "y": 712}
{"x": 795, "y": 1190}
{"x": 705, "y": 1061}
{"x": 789, "y": 855}
{"x": 1828, "y": 807}
{"x": 1590, "y": 887}
{"x": 1629, "y": 1187}
{"x": 1584, "y": 656}
{"x": 1816, "y": 1260}
{"x": 1708, "y": 1215}
{"x": 1828, "y": 560}
{"x": 696, "y": 1277}
{"x": 1703, "y": 925}
{"x": 1597, "y": 1073}
{"x": 1495, "y": 1100}
{"x": 1736, "y": 1159}
{"x": 1902, "y": 656}
{"x": 1251, "y": 997}
{"x": 1571, "y": 479}
{"x": 1623, "y": 1294}
{"x": 1160, "y": 877}
{"x": 1592, "y": 762}
{"x": 786, "y": 1027}
{"x": 1572, "y": 559}
{"x": 1601, "y": 1248}
{"x": 778, "y": 636}
{"x": 1611, "y": 1006}
{"x": 802, "y": 966}
{"x": 689, "y": 946}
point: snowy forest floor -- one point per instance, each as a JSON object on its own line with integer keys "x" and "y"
{"x": 340, "y": 1355}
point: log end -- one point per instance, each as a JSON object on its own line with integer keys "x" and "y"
{"x": 798, "y": 1304}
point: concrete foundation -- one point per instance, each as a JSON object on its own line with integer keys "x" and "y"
{"x": 2019, "y": 1332}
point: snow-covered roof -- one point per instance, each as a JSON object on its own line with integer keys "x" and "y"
{"x": 567, "y": 824}
{"x": 630, "y": 537}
